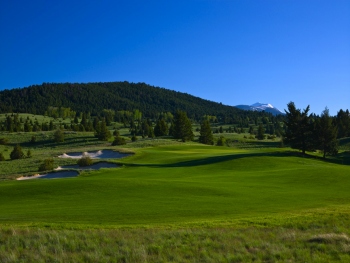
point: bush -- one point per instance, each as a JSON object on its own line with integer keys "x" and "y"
{"x": 46, "y": 165}
{"x": 2, "y": 157}
{"x": 84, "y": 161}
{"x": 118, "y": 141}
{"x": 134, "y": 138}
{"x": 221, "y": 141}
{"x": 29, "y": 154}
{"x": 17, "y": 153}
{"x": 3, "y": 141}
{"x": 33, "y": 139}
{"x": 58, "y": 136}
{"x": 116, "y": 132}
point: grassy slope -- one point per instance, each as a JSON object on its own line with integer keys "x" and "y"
{"x": 181, "y": 185}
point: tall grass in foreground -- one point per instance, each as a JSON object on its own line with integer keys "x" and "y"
{"x": 253, "y": 244}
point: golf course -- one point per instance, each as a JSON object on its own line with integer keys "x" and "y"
{"x": 227, "y": 204}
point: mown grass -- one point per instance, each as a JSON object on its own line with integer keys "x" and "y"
{"x": 180, "y": 202}
{"x": 181, "y": 184}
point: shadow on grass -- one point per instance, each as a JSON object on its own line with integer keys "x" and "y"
{"x": 259, "y": 144}
{"x": 51, "y": 143}
{"x": 224, "y": 158}
{"x": 340, "y": 158}
{"x": 214, "y": 159}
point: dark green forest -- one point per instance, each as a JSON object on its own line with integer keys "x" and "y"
{"x": 118, "y": 96}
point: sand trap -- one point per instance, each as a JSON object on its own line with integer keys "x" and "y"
{"x": 95, "y": 166}
{"x": 63, "y": 174}
{"x": 102, "y": 154}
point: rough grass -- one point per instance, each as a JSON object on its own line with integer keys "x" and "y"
{"x": 324, "y": 241}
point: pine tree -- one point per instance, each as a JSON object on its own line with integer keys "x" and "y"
{"x": 161, "y": 128}
{"x": 103, "y": 133}
{"x": 327, "y": 134}
{"x": 182, "y": 127}
{"x": 17, "y": 153}
{"x": 261, "y": 133}
{"x": 84, "y": 120}
{"x": 206, "y": 135}
{"x": 298, "y": 128}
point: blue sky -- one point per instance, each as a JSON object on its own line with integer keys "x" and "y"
{"x": 234, "y": 52}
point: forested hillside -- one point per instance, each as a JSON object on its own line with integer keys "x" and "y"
{"x": 94, "y": 97}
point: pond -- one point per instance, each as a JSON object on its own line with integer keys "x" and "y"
{"x": 95, "y": 166}
{"x": 101, "y": 154}
{"x": 54, "y": 175}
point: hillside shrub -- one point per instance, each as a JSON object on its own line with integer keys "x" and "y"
{"x": 46, "y": 165}
{"x": 271, "y": 137}
{"x": 3, "y": 141}
{"x": 17, "y": 153}
{"x": 2, "y": 157}
{"x": 58, "y": 136}
{"x": 221, "y": 141}
{"x": 84, "y": 161}
{"x": 118, "y": 141}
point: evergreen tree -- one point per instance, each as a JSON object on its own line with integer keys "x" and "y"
{"x": 206, "y": 135}
{"x": 76, "y": 121}
{"x": 17, "y": 153}
{"x": 151, "y": 132}
{"x": 182, "y": 127}
{"x": 51, "y": 127}
{"x": 251, "y": 130}
{"x": 172, "y": 129}
{"x": 58, "y": 136}
{"x": 261, "y": 133}
{"x": 298, "y": 128}
{"x": 83, "y": 120}
{"x": 103, "y": 134}
{"x": 343, "y": 123}
{"x": 327, "y": 134}
{"x": 161, "y": 128}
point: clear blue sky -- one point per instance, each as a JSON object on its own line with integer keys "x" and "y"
{"x": 234, "y": 52}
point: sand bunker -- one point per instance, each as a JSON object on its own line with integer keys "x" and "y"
{"x": 62, "y": 174}
{"x": 102, "y": 154}
{"x": 95, "y": 166}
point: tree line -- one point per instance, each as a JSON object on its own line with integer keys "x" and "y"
{"x": 64, "y": 99}
{"x": 309, "y": 132}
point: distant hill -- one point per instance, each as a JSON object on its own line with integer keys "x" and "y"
{"x": 94, "y": 97}
{"x": 261, "y": 107}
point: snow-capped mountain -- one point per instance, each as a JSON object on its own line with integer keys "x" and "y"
{"x": 261, "y": 107}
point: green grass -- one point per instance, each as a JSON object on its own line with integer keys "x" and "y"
{"x": 178, "y": 202}
{"x": 317, "y": 242}
{"x": 186, "y": 185}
